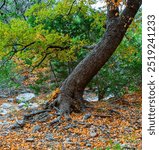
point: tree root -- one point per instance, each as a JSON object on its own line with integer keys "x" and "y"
{"x": 63, "y": 105}
{"x": 27, "y": 116}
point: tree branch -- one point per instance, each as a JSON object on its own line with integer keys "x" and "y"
{"x": 41, "y": 61}
{"x": 14, "y": 51}
{"x": 59, "y": 47}
{"x": 27, "y": 46}
{"x": 4, "y": 2}
{"x": 71, "y": 8}
{"x": 52, "y": 69}
{"x": 9, "y": 58}
{"x": 89, "y": 47}
{"x": 112, "y": 10}
{"x": 128, "y": 13}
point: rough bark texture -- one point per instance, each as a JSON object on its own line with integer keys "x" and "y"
{"x": 117, "y": 25}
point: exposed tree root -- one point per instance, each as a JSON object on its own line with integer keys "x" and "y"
{"x": 63, "y": 105}
{"x": 27, "y": 116}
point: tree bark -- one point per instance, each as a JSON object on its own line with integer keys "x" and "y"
{"x": 117, "y": 25}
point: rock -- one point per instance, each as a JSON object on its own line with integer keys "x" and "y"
{"x": 102, "y": 139}
{"x": 67, "y": 140}
{"x": 30, "y": 140}
{"x": 88, "y": 145}
{"x": 126, "y": 146}
{"x": 21, "y": 105}
{"x": 3, "y": 96}
{"x": 4, "y": 123}
{"x": 108, "y": 97}
{"x": 90, "y": 98}
{"x": 93, "y": 131}
{"x": 18, "y": 124}
{"x": 49, "y": 137}
{"x": 33, "y": 105}
{"x": 11, "y": 100}
{"x": 70, "y": 126}
{"x": 25, "y": 97}
{"x": 15, "y": 126}
{"x": 43, "y": 117}
{"x": 2, "y": 117}
{"x": 86, "y": 116}
{"x": 36, "y": 128}
{"x": 6, "y": 105}
{"x": 54, "y": 121}
{"x": 9, "y": 116}
{"x": 93, "y": 134}
{"x": 3, "y": 111}
{"x": 102, "y": 128}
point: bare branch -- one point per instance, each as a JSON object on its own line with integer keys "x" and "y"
{"x": 27, "y": 46}
{"x": 41, "y": 61}
{"x": 58, "y": 47}
{"x": 71, "y": 8}
{"x": 52, "y": 69}
{"x": 12, "y": 53}
{"x": 4, "y": 2}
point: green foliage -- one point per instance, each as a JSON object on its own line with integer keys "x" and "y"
{"x": 52, "y": 30}
{"x": 55, "y": 32}
{"x": 7, "y": 76}
{"x": 122, "y": 73}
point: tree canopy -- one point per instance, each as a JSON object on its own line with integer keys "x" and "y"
{"x": 35, "y": 33}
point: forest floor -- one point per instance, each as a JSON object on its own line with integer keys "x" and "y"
{"x": 114, "y": 124}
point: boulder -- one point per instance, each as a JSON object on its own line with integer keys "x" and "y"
{"x": 25, "y": 97}
{"x": 3, "y": 96}
{"x": 49, "y": 137}
{"x": 36, "y": 128}
{"x": 33, "y": 105}
{"x": 6, "y": 105}
{"x": 11, "y": 100}
{"x": 3, "y": 111}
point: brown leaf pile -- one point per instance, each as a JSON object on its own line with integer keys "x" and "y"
{"x": 115, "y": 122}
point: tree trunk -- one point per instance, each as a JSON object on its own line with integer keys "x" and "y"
{"x": 116, "y": 27}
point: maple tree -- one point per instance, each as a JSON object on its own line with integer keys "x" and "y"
{"x": 56, "y": 29}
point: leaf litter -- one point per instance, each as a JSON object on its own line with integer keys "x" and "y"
{"x": 113, "y": 124}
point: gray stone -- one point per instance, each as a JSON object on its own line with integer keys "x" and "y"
{"x": 33, "y": 106}
{"x": 15, "y": 126}
{"x": 70, "y": 126}
{"x": 3, "y": 111}
{"x": 49, "y": 137}
{"x": 36, "y": 128}
{"x": 21, "y": 105}
{"x": 102, "y": 139}
{"x": 4, "y": 123}
{"x": 30, "y": 140}
{"x": 68, "y": 140}
{"x": 93, "y": 134}
{"x": 11, "y": 100}
{"x": 25, "y": 97}
{"x": 3, "y": 96}
{"x": 2, "y": 117}
{"x": 43, "y": 117}
{"x": 88, "y": 145}
{"x": 86, "y": 116}
{"x": 108, "y": 97}
{"x": 18, "y": 124}
{"x": 6, "y": 105}
{"x": 93, "y": 131}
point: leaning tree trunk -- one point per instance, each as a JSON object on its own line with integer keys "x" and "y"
{"x": 116, "y": 27}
